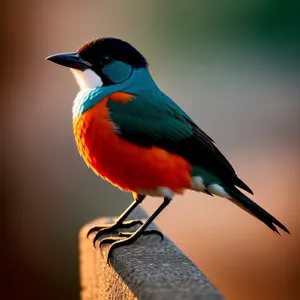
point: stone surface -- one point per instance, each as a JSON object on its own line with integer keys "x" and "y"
{"x": 147, "y": 269}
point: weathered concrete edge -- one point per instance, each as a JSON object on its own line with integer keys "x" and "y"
{"x": 147, "y": 269}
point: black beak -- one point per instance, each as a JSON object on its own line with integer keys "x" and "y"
{"x": 71, "y": 60}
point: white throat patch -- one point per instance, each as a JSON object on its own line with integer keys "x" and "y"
{"x": 87, "y": 79}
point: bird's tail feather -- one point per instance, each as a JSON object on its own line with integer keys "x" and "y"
{"x": 251, "y": 207}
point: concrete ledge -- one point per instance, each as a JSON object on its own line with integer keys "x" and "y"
{"x": 147, "y": 269}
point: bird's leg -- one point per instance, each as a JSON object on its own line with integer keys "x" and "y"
{"x": 118, "y": 241}
{"x": 120, "y": 222}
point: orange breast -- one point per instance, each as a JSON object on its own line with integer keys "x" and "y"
{"x": 123, "y": 163}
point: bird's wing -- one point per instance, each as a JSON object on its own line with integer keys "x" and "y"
{"x": 158, "y": 121}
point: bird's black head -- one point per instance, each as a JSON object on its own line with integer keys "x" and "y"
{"x": 102, "y": 51}
{"x": 111, "y": 59}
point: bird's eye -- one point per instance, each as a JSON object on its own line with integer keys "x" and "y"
{"x": 105, "y": 60}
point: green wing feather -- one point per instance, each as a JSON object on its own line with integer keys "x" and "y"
{"x": 151, "y": 120}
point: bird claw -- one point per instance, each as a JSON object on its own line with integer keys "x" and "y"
{"x": 110, "y": 240}
{"x": 111, "y": 227}
{"x": 123, "y": 239}
{"x": 146, "y": 232}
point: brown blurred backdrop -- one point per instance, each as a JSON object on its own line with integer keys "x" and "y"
{"x": 233, "y": 66}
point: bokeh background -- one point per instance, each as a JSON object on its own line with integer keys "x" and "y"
{"x": 234, "y": 66}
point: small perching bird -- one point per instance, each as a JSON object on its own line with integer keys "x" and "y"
{"x": 134, "y": 136}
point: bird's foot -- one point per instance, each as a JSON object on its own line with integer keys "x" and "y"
{"x": 103, "y": 229}
{"x": 123, "y": 239}
{"x": 146, "y": 232}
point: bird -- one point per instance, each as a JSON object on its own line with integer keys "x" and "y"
{"x": 129, "y": 132}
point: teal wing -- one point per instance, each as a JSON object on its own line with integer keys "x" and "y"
{"x": 158, "y": 121}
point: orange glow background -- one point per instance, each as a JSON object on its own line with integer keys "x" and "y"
{"x": 234, "y": 69}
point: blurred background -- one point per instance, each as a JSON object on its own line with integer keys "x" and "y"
{"x": 234, "y": 66}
